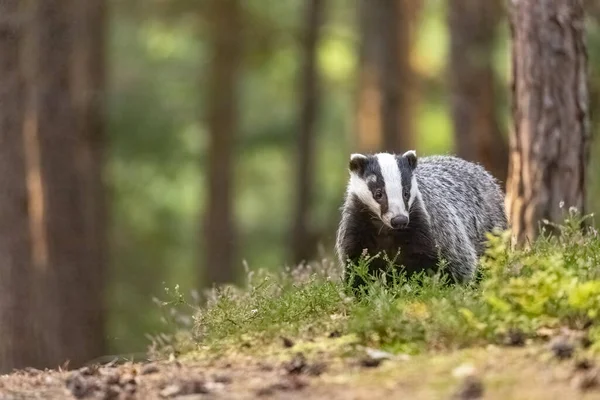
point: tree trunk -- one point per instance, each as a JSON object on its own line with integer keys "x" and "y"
{"x": 369, "y": 122}
{"x": 220, "y": 235}
{"x": 387, "y": 81}
{"x": 550, "y": 143}
{"x": 87, "y": 86}
{"x": 303, "y": 244}
{"x": 69, "y": 307}
{"x": 478, "y": 136}
{"x": 17, "y": 339}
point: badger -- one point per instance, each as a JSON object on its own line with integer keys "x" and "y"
{"x": 417, "y": 213}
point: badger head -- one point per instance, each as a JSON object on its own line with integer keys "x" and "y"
{"x": 385, "y": 184}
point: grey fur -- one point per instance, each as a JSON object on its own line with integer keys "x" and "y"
{"x": 457, "y": 203}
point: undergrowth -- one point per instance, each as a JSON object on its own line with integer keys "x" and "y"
{"x": 554, "y": 283}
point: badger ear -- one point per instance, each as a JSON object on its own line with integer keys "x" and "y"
{"x": 357, "y": 163}
{"x": 411, "y": 157}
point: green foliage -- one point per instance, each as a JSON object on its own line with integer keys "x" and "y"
{"x": 292, "y": 302}
{"x": 554, "y": 283}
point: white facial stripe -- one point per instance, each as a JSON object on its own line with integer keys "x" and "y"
{"x": 413, "y": 191}
{"x": 393, "y": 186}
{"x": 359, "y": 187}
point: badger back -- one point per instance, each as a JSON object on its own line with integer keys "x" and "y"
{"x": 459, "y": 192}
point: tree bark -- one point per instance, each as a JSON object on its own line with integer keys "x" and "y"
{"x": 220, "y": 236}
{"x": 549, "y": 148}
{"x": 68, "y": 279}
{"x": 478, "y": 136}
{"x": 302, "y": 238}
{"x": 387, "y": 82}
{"x": 17, "y": 338}
{"x": 88, "y": 93}
{"x": 369, "y": 122}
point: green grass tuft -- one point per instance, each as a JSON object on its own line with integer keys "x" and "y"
{"x": 554, "y": 283}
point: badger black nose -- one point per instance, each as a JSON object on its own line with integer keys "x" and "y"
{"x": 399, "y": 222}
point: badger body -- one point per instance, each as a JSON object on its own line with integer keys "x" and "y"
{"x": 417, "y": 213}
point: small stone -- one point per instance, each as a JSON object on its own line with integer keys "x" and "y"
{"x": 79, "y": 386}
{"x": 562, "y": 348}
{"x": 287, "y": 342}
{"x": 588, "y": 380}
{"x": 335, "y": 334}
{"x": 515, "y": 337}
{"x": 470, "y": 389}
{"x": 370, "y": 362}
{"x": 584, "y": 364}
{"x": 149, "y": 369}
{"x": 296, "y": 365}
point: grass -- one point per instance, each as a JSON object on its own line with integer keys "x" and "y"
{"x": 555, "y": 283}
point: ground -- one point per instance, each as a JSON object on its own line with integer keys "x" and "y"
{"x": 331, "y": 368}
{"x": 529, "y": 329}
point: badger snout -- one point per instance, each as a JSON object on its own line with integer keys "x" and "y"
{"x": 399, "y": 222}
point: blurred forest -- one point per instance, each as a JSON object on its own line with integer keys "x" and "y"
{"x": 229, "y": 124}
{"x": 451, "y": 74}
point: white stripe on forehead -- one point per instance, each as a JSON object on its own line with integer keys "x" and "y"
{"x": 393, "y": 181}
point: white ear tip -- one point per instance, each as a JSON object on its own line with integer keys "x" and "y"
{"x": 410, "y": 153}
{"x": 354, "y": 156}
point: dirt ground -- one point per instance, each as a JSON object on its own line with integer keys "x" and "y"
{"x": 483, "y": 373}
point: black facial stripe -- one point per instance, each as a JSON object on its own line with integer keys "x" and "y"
{"x": 406, "y": 175}
{"x": 383, "y": 203}
{"x": 373, "y": 170}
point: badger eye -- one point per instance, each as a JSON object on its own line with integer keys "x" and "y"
{"x": 406, "y": 193}
{"x": 378, "y": 194}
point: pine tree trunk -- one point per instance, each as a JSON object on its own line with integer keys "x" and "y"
{"x": 302, "y": 244}
{"x": 550, "y": 143}
{"x": 88, "y": 84}
{"x": 369, "y": 98}
{"x": 387, "y": 82}
{"x": 17, "y": 339}
{"x": 68, "y": 303}
{"x": 220, "y": 236}
{"x": 478, "y": 136}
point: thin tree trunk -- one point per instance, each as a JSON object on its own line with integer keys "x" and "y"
{"x": 88, "y": 83}
{"x": 550, "y": 143}
{"x": 369, "y": 121}
{"x": 17, "y": 339}
{"x": 397, "y": 79}
{"x": 303, "y": 244}
{"x": 387, "y": 82}
{"x": 478, "y": 136}
{"x": 226, "y": 39}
